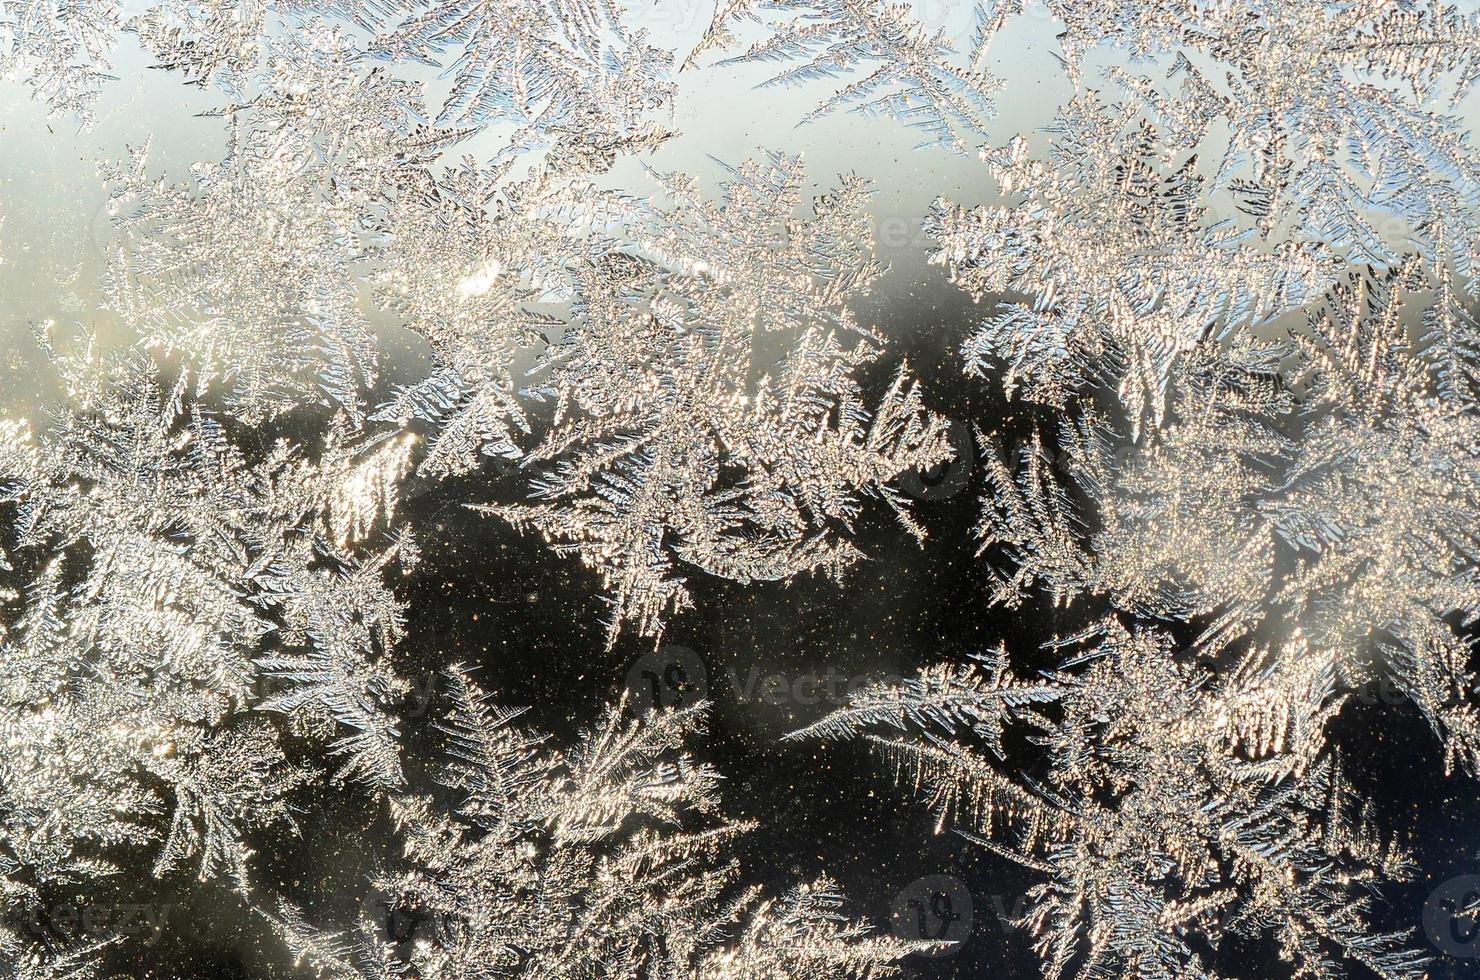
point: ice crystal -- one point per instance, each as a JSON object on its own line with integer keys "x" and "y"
{"x": 1331, "y": 130}
{"x": 60, "y": 48}
{"x": 566, "y": 72}
{"x": 253, "y": 270}
{"x": 1166, "y": 821}
{"x": 910, "y": 73}
{"x": 22, "y": 961}
{"x": 1239, "y": 271}
{"x": 679, "y": 442}
{"x": 178, "y": 574}
{"x": 1114, "y": 268}
{"x": 605, "y": 860}
{"x": 1343, "y": 514}
{"x": 1332, "y": 121}
{"x": 65, "y": 50}
{"x": 489, "y": 262}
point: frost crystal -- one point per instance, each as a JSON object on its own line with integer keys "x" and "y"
{"x": 566, "y": 72}
{"x": 1344, "y": 516}
{"x": 1119, "y": 269}
{"x": 253, "y": 271}
{"x": 59, "y": 48}
{"x": 1335, "y": 135}
{"x": 677, "y": 440}
{"x": 1237, "y": 269}
{"x": 605, "y": 860}
{"x": 910, "y": 73}
{"x": 1166, "y": 820}
{"x": 175, "y": 577}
